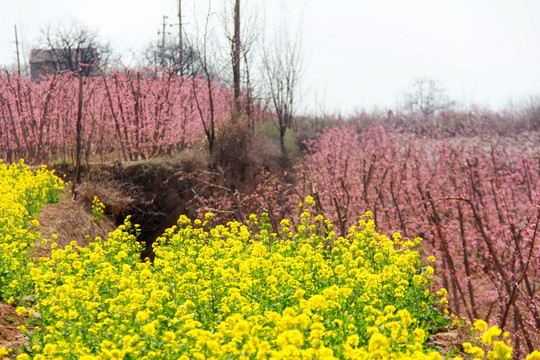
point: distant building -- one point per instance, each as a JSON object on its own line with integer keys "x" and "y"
{"x": 49, "y": 61}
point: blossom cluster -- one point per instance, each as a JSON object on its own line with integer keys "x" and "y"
{"x": 490, "y": 342}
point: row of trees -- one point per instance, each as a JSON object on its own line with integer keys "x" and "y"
{"x": 129, "y": 114}
{"x": 226, "y": 47}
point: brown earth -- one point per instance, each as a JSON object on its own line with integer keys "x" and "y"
{"x": 448, "y": 342}
{"x": 70, "y": 221}
{"x": 10, "y": 337}
{"x": 148, "y": 191}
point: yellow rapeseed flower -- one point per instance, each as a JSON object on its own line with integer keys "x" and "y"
{"x": 491, "y": 333}
{"x": 480, "y": 325}
{"x": 535, "y": 355}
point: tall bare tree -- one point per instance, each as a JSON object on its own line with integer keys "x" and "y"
{"x": 251, "y": 55}
{"x": 70, "y": 45}
{"x": 427, "y": 96}
{"x": 283, "y": 69}
{"x": 243, "y": 28}
{"x": 180, "y": 34}
{"x": 207, "y": 68}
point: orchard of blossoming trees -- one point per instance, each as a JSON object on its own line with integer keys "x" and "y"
{"x": 132, "y": 113}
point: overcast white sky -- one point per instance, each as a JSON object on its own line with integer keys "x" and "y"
{"x": 358, "y": 53}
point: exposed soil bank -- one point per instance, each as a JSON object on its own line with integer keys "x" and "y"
{"x": 151, "y": 192}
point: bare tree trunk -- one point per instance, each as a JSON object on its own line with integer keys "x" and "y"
{"x": 282, "y": 69}
{"x": 236, "y": 44}
{"x": 77, "y": 179}
{"x": 115, "y": 117}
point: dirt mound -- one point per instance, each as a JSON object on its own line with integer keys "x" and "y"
{"x": 70, "y": 221}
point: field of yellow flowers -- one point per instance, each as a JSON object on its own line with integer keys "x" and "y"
{"x": 235, "y": 291}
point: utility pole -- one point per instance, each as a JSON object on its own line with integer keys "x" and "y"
{"x": 163, "y": 41}
{"x": 180, "y": 48}
{"x": 17, "y": 46}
